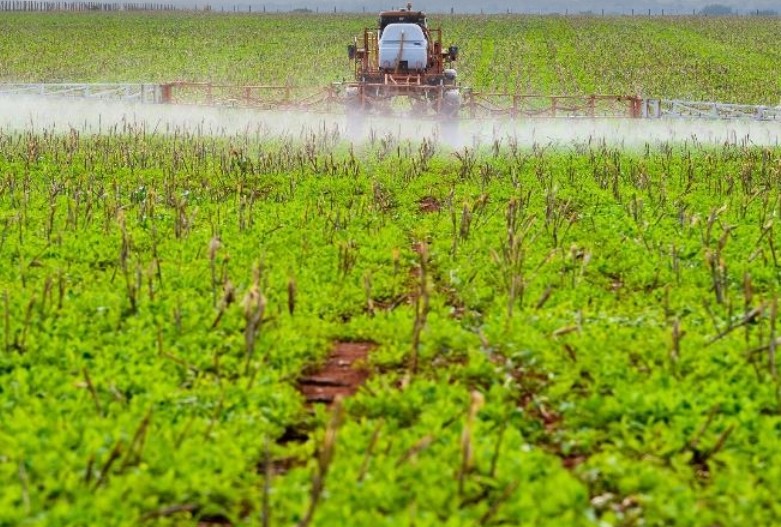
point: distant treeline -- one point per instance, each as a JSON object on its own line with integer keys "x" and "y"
{"x": 26, "y": 6}
{"x": 346, "y": 7}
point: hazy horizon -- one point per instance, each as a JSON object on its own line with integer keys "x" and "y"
{"x": 370, "y": 7}
{"x": 492, "y": 6}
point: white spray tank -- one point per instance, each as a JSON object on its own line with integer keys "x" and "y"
{"x": 403, "y": 47}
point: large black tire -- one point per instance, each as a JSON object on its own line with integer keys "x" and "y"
{"x": 451, "y": 104}
{"x": 356, "y": 116}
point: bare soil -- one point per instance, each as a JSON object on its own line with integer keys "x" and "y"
{"x": 429, "y": 204}
{"x": 343, "y": 373}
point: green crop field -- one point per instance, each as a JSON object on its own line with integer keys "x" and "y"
{"x": 724, "y": 59}
{"x": 573, "y": 336}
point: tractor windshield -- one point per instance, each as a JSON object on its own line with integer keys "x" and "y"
{"x": 402, "y": 17}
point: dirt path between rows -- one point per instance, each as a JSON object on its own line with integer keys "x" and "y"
{"x": 343, "y": 373}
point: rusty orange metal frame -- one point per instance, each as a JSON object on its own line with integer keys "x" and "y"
{"x": 520, "y": 105}
{"x": 249, "y": 96}
{"x": 474, "y": 104}
{"x": 366, "y": 62}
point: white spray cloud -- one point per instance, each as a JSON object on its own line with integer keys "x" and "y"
{"x": 18, "y": 114}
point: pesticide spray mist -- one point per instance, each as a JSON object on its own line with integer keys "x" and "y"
{"x": 32, "y": 114}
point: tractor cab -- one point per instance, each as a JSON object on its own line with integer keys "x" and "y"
{"x": 402, "y": 58}
{"x": 403, "y": 40}
{"x": 403, "y": 16}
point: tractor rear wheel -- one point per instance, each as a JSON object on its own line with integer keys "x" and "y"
{"x": 450, "y": 104}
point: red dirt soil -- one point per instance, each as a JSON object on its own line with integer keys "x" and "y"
{"x": 429, "y": 204}
{"x": 343, "y": 373}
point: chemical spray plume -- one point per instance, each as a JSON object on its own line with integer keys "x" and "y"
{"x": 32, "y": 114}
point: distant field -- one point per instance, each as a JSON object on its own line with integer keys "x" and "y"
{"x": 726, "y": 59}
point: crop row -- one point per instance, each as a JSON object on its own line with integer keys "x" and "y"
{"x": 563, "y": 337}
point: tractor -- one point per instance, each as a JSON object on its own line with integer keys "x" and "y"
{"x": 403, "y": 59}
